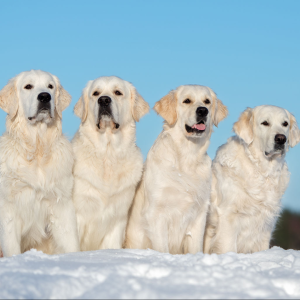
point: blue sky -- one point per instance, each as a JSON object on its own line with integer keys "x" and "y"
{"x": 246, "y": 51}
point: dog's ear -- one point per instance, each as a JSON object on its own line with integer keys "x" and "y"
{"x": 139, "y": 107}
{"x": 166, "y": 107}
{"x": 9, "y": 100}
{"x": 244, "y": 126}
{"x": 62, "y": 98}
{"x": 220, "y": 111}
{"x": 294, "y": 135}
{"x": 81, "y": 107}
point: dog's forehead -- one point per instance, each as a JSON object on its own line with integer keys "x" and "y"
{"x": 198, "y": 92}
{"x": 109, "y": 82}
{"x": 271, "y": 112}
{"x": 35, "y": 76}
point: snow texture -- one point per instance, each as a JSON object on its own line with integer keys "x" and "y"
{"x": 149, "y": 274}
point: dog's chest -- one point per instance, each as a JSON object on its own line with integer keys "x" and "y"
{"x": 111, "y": 176}
{"x": 186, "y": 188}
{"x": 44, "y": 177}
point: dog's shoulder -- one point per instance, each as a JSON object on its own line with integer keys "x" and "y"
{"x": 228, "y": 154}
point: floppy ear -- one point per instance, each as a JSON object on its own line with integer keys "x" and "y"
{"x": 294, "y": 135}
{"x": 166, "y": 107}
{"x": 220, "y": 110}
{"x": 63, "y": 98}
{"x": 244, "y": 126}
{"x": 8, "y": 99}
{"x": 139, "y": 107}
{"x": 81, "y": 107}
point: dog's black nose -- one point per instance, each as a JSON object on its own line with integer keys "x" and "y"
{"x": 104, "y": 100}
{"x": 280, "y": 139}
{"x": 44, "y": 97}
{"x": 202, "y": 111}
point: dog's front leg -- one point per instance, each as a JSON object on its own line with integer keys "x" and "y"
{"x": 10, "y": 234}
{"x": 225, "y": 239}
{"x": 64, "y": 226}
{"x": 115, "y": 238}
{"x": 195, "y": 233}
{"x": 265, "y": 242}
{"x": 158, "y": 233}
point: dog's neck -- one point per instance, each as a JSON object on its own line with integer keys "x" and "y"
{"x": 189, "y": 148}
{"x": 36, "y": 139}
{"x": 108, "y": 138}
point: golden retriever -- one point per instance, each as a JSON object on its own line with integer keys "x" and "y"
{"x": 108, "y": 164}
{"x": 250, "y": 176}
{"x": 36, "y": 163}
{"x": 170, "y": 207}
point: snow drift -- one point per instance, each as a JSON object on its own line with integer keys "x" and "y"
{"x": 148, "y": 274}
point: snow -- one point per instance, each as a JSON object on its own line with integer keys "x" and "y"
{"x": 274, "y": 273}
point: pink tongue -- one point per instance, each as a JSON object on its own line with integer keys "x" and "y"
{"x": 199, "y": 126}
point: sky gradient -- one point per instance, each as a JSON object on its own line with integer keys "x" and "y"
{"x": 246, "y": 51}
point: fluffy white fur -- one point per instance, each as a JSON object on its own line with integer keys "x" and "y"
{"x": 249, "y": 178}
{"x": 171, "y": 203}
{"x": 36, "y": 209}
{"x": 108, "y": 164}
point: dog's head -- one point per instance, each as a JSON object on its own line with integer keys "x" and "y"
{"x": 110, "y": 102}
{"x": 272, "y": 129}
{"x": 36, "y": 95}
{"x": 194, "y": 108}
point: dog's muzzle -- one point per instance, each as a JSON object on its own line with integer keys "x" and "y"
{"x": 280, "y": 140}
{"x": 105, "y": 111}
{"x": 201, "y": 117}
{"x": 44, "y": 105}
{"x": 279, "y": 145}
{"x": 44, "y": 102}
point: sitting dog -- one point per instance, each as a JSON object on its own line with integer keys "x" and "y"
{"x": 108, "y": 164}
{"x": 36, "y": 160}
{"x": 170, "y": 207}
{"x": 250, "y": 176}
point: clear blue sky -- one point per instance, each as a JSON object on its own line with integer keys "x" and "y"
{"x": 246, "y": 51}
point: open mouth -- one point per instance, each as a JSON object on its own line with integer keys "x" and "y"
{"x": 106, "y": 120}
{"x": 115, "y": 125}
{"x": 196, "y": 128}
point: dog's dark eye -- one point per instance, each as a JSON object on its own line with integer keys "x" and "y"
{"x": 206, "y": 101}
{"x": 50, "y": 86}
{"x": 285, "y": 124}
{"x": 265, "y": 123}
{"x": 187, "y": 101}
{"x": 118, "y": 93}
{"x": 28, "y": 87}
{"x": 96, "y": 93}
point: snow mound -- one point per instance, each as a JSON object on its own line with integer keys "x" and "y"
{"x": 149, "y": 274}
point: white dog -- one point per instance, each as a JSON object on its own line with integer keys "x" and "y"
{"x": 108, "y": 164}
{"x": 36, "y": 160}
{"x": 170, "y": 207}
{"x": 250, "y": 176}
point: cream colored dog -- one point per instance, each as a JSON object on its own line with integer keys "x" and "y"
{"x": 108, "y": 164}
{"x": 170, "y": 207}
{"x": 250, "y": 176}
{"x": 36, "y": 160}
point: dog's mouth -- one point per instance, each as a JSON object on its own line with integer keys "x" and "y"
{"x": 41, "y": 114}
{"x": 274, "y": 153}
{"x": 196, "y": 128}
{"x": 106, "y": 120}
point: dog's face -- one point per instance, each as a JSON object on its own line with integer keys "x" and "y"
{"x": 110, "y": 102}
{"x": 36, "y": 95}
{"x": 272, "y": 129}
{"x": 193, "y": 108}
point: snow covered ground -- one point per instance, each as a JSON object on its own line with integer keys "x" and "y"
{"x": 148, "y": 274}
